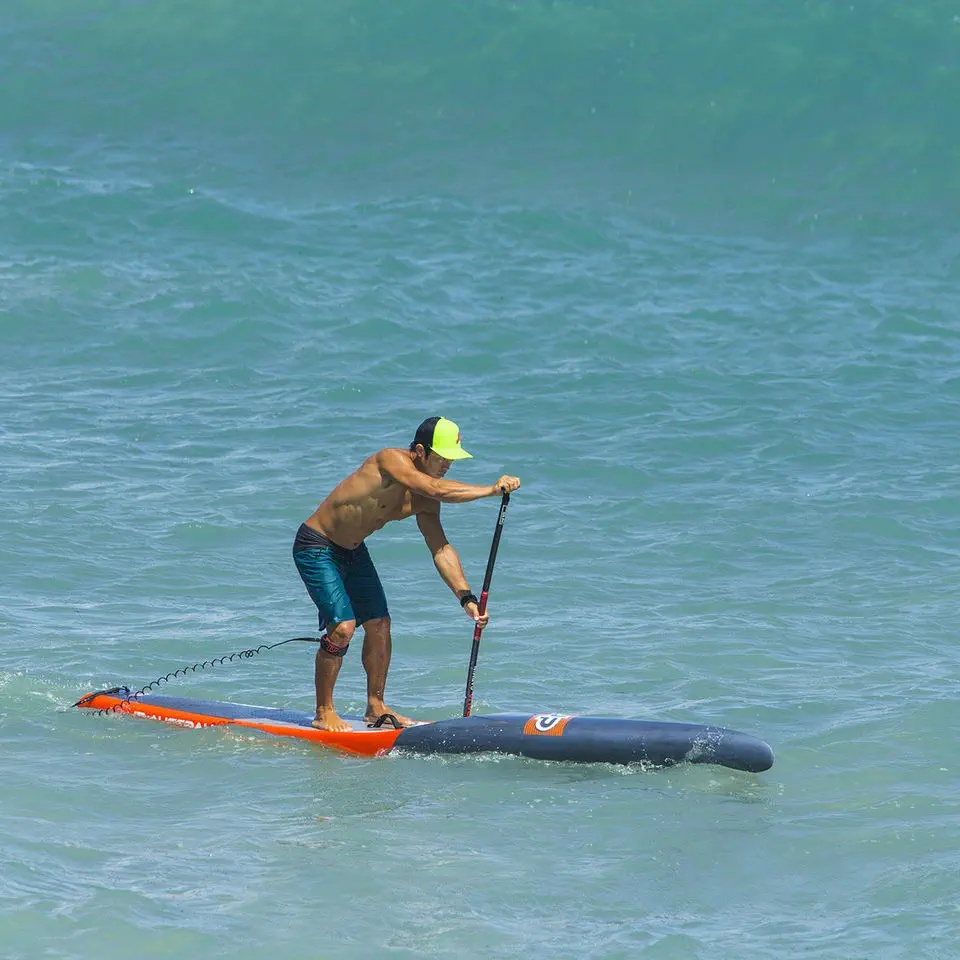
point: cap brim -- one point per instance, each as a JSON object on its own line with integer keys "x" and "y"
{"x": 452, "y": 453}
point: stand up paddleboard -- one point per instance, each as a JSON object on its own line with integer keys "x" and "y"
{"x": 542, "y": 736}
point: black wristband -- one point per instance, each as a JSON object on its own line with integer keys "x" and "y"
{"x": 468, "y": 598}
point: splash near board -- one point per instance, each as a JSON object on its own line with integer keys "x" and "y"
{"x": 538, "y": 736}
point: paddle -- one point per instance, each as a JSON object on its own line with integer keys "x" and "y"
{"x": 482, "y": 604}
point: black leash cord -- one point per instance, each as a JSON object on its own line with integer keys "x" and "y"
{"x": 182, "y": 672}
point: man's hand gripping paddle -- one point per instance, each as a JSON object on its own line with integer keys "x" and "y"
{"x": 482, "y": 604}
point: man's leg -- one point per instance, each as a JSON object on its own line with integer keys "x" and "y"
{"x": 326, "y": 670}
{"x": 377, "y": 647}
{"x": 320, "y": 572}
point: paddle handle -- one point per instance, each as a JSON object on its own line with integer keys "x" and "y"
{"x": 482, "y": 604}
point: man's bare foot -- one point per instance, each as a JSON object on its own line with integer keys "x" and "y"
{"x": 376, "y": 711}
{"x": 327, "y": 719}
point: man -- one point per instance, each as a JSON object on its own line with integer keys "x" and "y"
{"x": 339, "y": 575}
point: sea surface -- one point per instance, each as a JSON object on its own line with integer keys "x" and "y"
{"x": 690, "y": 270}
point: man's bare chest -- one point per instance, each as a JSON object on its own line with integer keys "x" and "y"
{"x": 394, "y": 504}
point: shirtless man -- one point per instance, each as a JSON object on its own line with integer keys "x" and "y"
{"x": 339, "y": 575}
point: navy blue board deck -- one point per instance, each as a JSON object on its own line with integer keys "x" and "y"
{"x": 591, "y": 740}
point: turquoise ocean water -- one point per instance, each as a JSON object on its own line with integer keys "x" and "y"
{"x": 690, "y": 270}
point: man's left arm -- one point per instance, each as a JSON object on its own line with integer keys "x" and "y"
{"x": 447, "y": 562}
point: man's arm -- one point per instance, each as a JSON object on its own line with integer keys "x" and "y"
{"x": 447, "y": 561}
{"x": 398, "y": 465}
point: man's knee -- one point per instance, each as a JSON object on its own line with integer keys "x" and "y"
{"x": 377, "y": 627}
{"x": 338, "y": 637}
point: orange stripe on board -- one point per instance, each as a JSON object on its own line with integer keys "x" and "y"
{"x": 364, "y": 743}
{"x": 137, "y": 709}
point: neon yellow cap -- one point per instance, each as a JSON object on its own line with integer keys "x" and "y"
{"x": 442, "y": 436}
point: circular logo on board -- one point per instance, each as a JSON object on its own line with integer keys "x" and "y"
{"x": 547, "y": 724}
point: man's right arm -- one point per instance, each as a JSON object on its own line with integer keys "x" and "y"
{"x": 399, "y": 467}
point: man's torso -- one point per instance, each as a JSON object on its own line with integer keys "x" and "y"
{"x": 363, "y": 503}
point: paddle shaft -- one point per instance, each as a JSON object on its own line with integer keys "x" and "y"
{"x": 482, "y": 604}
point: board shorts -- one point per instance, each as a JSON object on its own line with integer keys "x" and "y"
{"x": 343, "y": 583}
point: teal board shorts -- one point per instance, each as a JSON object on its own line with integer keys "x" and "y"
{"x": 343, "y": 583}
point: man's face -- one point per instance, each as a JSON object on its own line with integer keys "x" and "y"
{"x": 434, "y": 465}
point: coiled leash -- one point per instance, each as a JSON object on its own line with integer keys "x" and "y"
{"x": 128, "y": 697}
